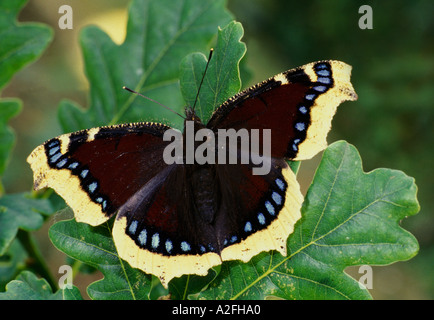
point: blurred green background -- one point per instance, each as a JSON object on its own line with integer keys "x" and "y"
{"x": 390, "y": 124}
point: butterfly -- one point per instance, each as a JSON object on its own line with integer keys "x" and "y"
{"x": 185, "y": 217}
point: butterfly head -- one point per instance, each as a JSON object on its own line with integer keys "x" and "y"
{"x": 190, "y": 115}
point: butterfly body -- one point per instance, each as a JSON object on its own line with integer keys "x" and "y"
{"x": 206, "y": 194}
{"x": 188, "y": 215}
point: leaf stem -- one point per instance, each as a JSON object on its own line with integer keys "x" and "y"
{"x": 76, "y": 268}
{"x": 36, "y": 260}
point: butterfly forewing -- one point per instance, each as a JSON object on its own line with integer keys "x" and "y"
{"x": 296, "y": 105}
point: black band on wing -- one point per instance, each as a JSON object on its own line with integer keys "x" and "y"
{"x": 302, "y": 121}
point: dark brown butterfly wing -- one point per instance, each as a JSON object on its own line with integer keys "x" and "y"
{"x": 97, "y": 170}
{"x": 297, "y": 106}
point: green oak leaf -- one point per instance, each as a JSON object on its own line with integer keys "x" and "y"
{"x": 20, "y": 43}
{"x": 28, "y": 287}
{"x": 20, "y": 211}
{"x": 222, "y": 79}
{"x": 11, "y": 262}
{"x": 190, "y": 285}
{"x": 9, "y": 108}
{"x": 349, "y": 218}
{"x": 159, "y": 35}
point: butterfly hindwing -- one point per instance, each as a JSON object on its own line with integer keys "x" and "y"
{"x": 161, "y": 232}
{"x": 260, "y": 213}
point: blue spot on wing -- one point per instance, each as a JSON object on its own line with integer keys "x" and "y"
{"x": 248, "y": 227}
{"x": 133, "y": 227}
{"x": 56, "y": 157}
{"x": 323, "y": 73}
{"x": 270, "y": 208}
{"x": 155, "y": 241}
{"x": 277, "y": 198}
{"x": 185, "y": 246}
{"x": 300, "y": 126}
{"x": 280, "y": 183}
{"x": 143, "y": 237}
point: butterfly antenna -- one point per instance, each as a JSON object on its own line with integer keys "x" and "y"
{"x": 150, "y": 99}
{"x": 203, "y": 77}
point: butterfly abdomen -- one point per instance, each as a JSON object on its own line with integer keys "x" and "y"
{"x": 206, "y": 195}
